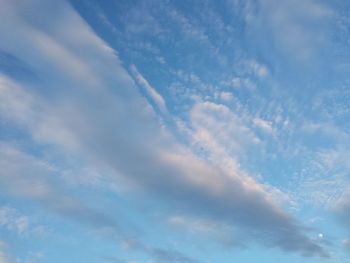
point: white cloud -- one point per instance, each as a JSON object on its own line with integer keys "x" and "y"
{"x": 99, "y": 111}
{"x": 264, "y": 125}
{"x": 33, "y": 180}
{"x": 293, "y": 26}
{"x": 323, "y": 179}
{"x": 3, "y": 257}
{"x": 257, "y": 69}
{"x": 226, "y": 96}
{"x": 187, "y": 27}
{"x": 16, "y": 175}
{"x": 240, "y": 82}
{"x": 152, "y": 92}
{"x": 345, "y": 243}
{"x": 220, "y": 131}
{"x": 223, "y": 233}
{"x": 32, "y": 112}
{"x": 12, "y": 220}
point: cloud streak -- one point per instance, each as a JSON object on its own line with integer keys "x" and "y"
{"x": 152, "y": 92}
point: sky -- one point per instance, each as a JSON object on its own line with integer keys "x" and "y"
{"x": 172, "y": 131}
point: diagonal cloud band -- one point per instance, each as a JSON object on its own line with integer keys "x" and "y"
{"x": 85, "y": 103}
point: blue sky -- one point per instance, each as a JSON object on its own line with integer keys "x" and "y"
{"x": 174, "y": 131}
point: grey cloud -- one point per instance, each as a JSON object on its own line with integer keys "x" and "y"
{"x": 171, "y": 256}
{"x": 113, "y": 259}
{"x": 342, "y": 210}
{"x": 158, "y": 254}
{"x": 4, "y": 257}
{"x": 346, "y": 244}
{"x": 27, "y": 177}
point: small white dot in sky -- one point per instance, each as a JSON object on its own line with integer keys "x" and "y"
{"x": 320, "y": 235}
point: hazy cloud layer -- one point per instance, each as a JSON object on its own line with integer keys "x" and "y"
{"x": 85, "y": 104}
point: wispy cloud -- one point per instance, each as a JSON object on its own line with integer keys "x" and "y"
{"x": 292, "y": 26}
{"x": 12, "y": 220}
{"x": 266, "y": 126}
{"x": 151, "y": 91}
{"x": 86, "y": 106}
{"x": 4, "y": 258}
{"x": 32, "y": 179}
